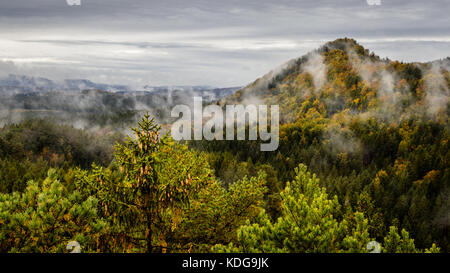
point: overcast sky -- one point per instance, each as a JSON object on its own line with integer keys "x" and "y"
{"x": 205, "y": 42}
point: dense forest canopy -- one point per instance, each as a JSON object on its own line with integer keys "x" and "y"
{"x": 91, "y": 108}
{"x": 363, "y": 156}
{"x": 368, "y": 127}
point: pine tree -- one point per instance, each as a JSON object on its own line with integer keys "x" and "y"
{"x": 154, "y": 183}
{"x": 310, "y": 222}
{"x": 44, "y": 218}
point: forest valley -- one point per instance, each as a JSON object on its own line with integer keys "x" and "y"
{"x": 363, "y": 156}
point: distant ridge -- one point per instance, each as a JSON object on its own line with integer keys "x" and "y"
{"x": 22, "y": 84}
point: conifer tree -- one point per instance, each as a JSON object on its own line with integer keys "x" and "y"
{"x": 45, "y": 218}
{"x": 156, "y": 177}
{"x": 310, "y": 222}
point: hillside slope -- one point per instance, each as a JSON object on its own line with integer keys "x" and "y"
{"x": 344, "y": 75}
{"x": 371, "y": 128}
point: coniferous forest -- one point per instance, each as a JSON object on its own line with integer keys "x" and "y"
{"x": 363, "y": 156}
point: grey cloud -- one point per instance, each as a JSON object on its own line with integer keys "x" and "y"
{"x": 208, "y": 41}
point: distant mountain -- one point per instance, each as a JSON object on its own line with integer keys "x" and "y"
{"x": 15, "y": 84}
{"x": 83, "y": 102}
{"x": 73, "y": 84}
{"x": 20, "y": 84}
{"x": 344, "y": 75}
{"x": 208, "y": 93}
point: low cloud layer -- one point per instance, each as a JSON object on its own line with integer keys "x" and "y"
{"x": 219, "y": 43}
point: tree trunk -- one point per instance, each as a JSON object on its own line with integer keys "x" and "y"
{"x": 149, "y": 233}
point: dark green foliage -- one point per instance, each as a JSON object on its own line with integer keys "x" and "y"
{"x": 370, "y": 129}
{"x": 46, "y": 218}
{"x": 310, "y": 222}
{"x": 56, "y": 144}
{"x": 29, "y": 149}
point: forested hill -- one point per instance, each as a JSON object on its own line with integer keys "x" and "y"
{"x": 343, "y": 75}
{"x": 376, "y": 132}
